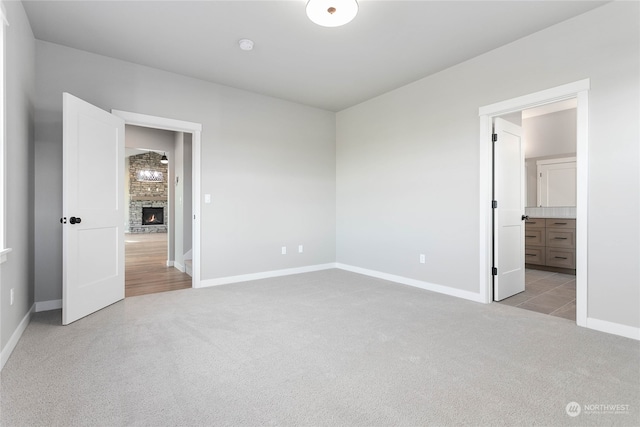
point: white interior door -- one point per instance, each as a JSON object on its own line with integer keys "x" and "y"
{"x": 508, "y": 225}
{"x": 93, "y": 221}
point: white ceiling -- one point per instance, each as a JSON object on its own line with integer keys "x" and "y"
{"x": 389, "y": 43}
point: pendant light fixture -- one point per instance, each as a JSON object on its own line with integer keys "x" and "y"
{"x": 148, "y": 175}
{"x": 164, "y": 159}
{"x": 332, "y": 13}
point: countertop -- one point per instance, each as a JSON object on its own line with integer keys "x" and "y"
{"x": 559, "y": 212}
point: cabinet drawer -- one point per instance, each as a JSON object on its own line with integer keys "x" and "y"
{"x": 534, "y": 236}
{"x": 535, "y": 223}
{"x": 560, "y": 223}
{"x": 561, "y": 258}
{"x": 559, "y": 238}
{"x": 534, "y": 255}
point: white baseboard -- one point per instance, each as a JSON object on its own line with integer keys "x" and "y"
{"x": 264, "y": 275}
{"x": 613, "y": 328}
{"x": 170, "y": 263}
{"x": 55, "y": 304}
{"x": 393, "y": 278}
{"x": 179, "y": 266}
{"x": 472, "y": 296}
{"x": 15, "y": 337}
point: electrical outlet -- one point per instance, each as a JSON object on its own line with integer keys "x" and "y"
{"x": 422, "y": 259}
{"x": 11, "y": 297}
{"x": 284, "y": 250}
{"x": 300, "y": 249}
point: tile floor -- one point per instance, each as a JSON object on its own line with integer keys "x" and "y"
{"x": 547, "y": 292}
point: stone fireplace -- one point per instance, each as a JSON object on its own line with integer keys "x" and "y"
{"x": 148, "y": 200}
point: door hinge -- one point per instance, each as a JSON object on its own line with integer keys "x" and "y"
{"x": 494, "y": 271}
{"x": 494, "y": 137}
{"x": 494, "y": 204}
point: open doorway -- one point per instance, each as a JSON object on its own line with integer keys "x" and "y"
{"x": 580, "y": 91}
{"x": 154, "y": 210}
{"x": 549, "y": 184}
{"x": 96, "y": 156}
{"x": 186, "y": 179}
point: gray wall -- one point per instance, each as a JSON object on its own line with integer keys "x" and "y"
{"x": 408, "y": 161}
{"x": 17, "y": 272}
{"x": 550, "y": 134}
{"x": 183, "y": 198}
{"x": 515, "y": 118}
{"x": 268, "y": 164}
{"x": 178, "y": 197}
{"x": 531, "y": 171}
{"x": 187, "y": 189}
{"x": 148, "y": 138}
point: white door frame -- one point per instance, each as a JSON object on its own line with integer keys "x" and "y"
{"x": 580, "y": 91}
{"x": 195, "y": 129}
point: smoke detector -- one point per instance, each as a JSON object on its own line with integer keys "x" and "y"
{"x": 246, "y": 44}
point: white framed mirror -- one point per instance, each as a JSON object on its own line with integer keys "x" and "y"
{"x": 556, "y": 182}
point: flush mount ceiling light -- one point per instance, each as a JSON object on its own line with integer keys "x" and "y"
{"x": 246, "y": 44}
{"x": 332, "y": 13}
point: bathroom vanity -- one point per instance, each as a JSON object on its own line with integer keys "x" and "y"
{"x": 550, "y": 244}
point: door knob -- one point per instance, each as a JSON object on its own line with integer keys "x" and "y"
{"x": 63, "y": 220}
{"x": 525, "y": 217}
{"x": 75, "y": 220}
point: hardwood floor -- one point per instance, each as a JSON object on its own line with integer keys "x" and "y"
{"x": 146, "y": 270}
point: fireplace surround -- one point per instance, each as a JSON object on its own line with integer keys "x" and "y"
{"x": 148, "y": 201}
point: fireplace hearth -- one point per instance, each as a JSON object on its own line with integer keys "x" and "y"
{"x": 152, "y": 216}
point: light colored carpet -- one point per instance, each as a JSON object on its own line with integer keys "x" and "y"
{"x": 329, "y": 348}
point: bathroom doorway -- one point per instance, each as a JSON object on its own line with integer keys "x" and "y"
{"x": 578, "y": 90}
{"x": 549, "y": 135}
